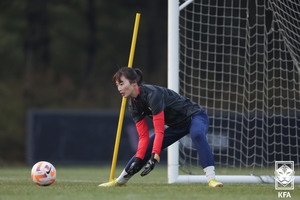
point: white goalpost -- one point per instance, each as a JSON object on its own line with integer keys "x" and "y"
{"x": 240, "y": 60}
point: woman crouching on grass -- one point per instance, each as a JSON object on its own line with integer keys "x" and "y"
{"x": 168, "y": 109}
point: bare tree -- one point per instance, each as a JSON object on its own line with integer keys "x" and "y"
{"x": 37, "y": 42}
{"x": 92, "y": 41}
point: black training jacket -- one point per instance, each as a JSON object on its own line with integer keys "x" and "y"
{"x": 154, "y": 99}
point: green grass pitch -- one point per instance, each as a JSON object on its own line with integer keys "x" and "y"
{"x": 74, "y": 183}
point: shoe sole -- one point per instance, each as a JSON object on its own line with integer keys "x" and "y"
{"x": 219, "y": 185}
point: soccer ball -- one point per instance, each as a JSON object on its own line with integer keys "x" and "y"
{"x": 43, "y": 173}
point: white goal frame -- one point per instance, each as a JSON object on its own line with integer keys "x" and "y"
{"x": 174, "y": 8}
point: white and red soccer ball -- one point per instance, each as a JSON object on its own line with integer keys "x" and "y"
{"x": 43, "y": 173}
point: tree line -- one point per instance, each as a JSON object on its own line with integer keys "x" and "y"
{"x": 62, "y": 54}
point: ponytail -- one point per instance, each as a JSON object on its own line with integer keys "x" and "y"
{"x": 140, "y": 76}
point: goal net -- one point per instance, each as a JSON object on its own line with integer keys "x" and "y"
{"x": 240, "y": 60}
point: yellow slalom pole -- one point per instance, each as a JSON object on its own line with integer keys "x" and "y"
{"x": 123, "y": 105}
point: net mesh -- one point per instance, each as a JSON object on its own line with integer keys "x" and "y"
{"x": 240, "y": 61}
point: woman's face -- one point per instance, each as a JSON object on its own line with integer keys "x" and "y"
{"x": 126, "y": 88}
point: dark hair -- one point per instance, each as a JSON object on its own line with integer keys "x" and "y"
{"x": 130, "y": 74}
